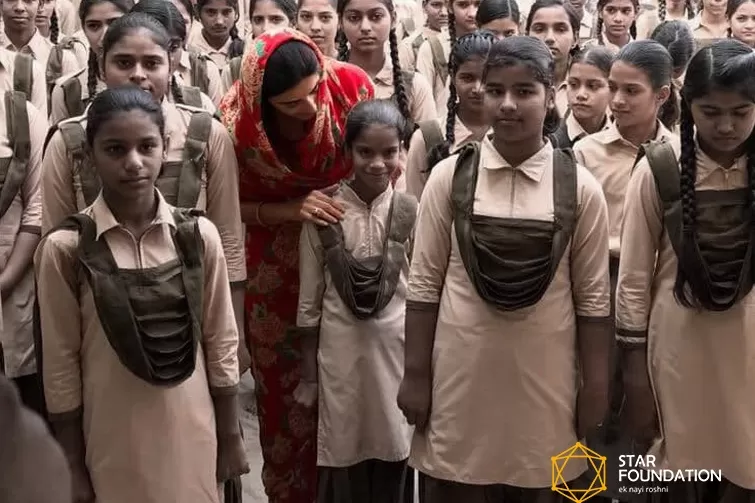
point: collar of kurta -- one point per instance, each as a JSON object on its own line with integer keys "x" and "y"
{"x": 34, "y": 48}
{"x": 462, "y": 134}
{"x": 574, "y": 128}
{"x": 533, "y": 168}
{"x": 611, "y": 134}
{"x": 348, "y": 194}
{"x": 707, "y": 166}
{"x": 105, "y": 220}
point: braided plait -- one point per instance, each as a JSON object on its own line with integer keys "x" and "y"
{"x": 690, "y": 9}
{"x": 399, "y": 87}
{"x": 599, "y": 29}
{"x": 343, "y": 46}
{"x": 662, "y": 10}
{"x": 54, "y": 29}
{"x": 633, "y": 30}
{"x": 236, "y": 48}
{"x": 93, "y": 73}
{"x": 453, "y": 67}
{"x": 175, "y": 89}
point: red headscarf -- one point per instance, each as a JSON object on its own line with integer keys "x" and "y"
{"x": 263, "y": 177}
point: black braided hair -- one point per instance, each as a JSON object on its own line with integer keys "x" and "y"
{"x": 725, "y": 65}
{"x": 237, "y": 44}
{"x": 473, "y": 45}
{"x": 343, "y": 45}
{"x": 118, "y": 100}
{"x": 175, "y": 89}
{"x": 676, "y": 36}
{"x": 93, "y": 75}
{"x": 399, "y": 86}
{"x": 599, "y": 28}
{"x": 690, "y": 9}
{"x": 662, "y": 10}
{"x": 54, "y": 29}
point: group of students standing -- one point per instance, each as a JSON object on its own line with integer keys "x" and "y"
{"x": 449, "y": 247}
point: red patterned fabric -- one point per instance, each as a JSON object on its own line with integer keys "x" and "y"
{"x": 287, "y": 431}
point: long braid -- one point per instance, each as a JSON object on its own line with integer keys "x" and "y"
{"x": 399, "y": 88}
{"x": 93, "y": 73}
{"x": 175, "y": 89}
{"x": 453, "y": 67}
{"x": 599, "y": 29}
{"x": 687, "y": 179}
{"x": 662, "y": 10}
{"x": 343, "y": 46}
{"x": 236, "y": 48}
{"x": 54, "y": 29}
{"x": 690, "y": 9}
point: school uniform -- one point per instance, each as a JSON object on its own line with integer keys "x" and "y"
{"x": 38, "y": 47}
{"x": 65, "y": 192}
{"x": 410, "y": 16}
{"x": 68, "y": 18}
{"x": 200, "y": 45}
{"x": 409, "y": 47}
{"x": 698, "y": 359}
{"x": 606, "y": 43}
{"x": 148, "y": 437}
{"x": 38, "y": 96}
{"x": 571, "y": 131}
{"x": 361, "y": 341}
{"x": 586, "y": 27}
{"x": 427, "y": 66}
{"x": 65, "y": 101}
{"x": 562, "y": 99}
{"x": 649, "y": 20}
{"x": 419, "y": 93}
{"x": 504, "y": 357}
{"x": 703, "y": 32}
{"x": 214, "y": 85}
{"x": 243, "y": 25}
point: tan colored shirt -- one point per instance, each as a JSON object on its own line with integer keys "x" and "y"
{"x": 360, "y": 362}
{"x": 649, "y": 21}
{"x": 575, "y": 130}
{"x": 58, "y": 108}
{"x": 504, "y": 391}
{"x": 38, "y": 96}
{"x": 426, "y": 66}
{"x": 23, "y": 215}
{"x": 407, "y": 57}
{"x": 38, "y": 48}
{"x": 62, "y": 195}
{"x": 200, "y": 45}
{"x": 610, "y": 158}
{"x": 215, "y": 87}
{"x": 699, "y": 361}
{"x": 138, "y": 436}
{"x": 606, "y": 43}
{"x": 702, "y": 31}
{"x": 562, "y": 99}
{"x": 420, "y": 95}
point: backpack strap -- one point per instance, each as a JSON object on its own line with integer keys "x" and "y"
{"x": 235, "y": 66}
{"x": 417, "y": 43}
{"x": 408, "y": 25}
{"x": 54, "y": 69}
{"x": 199, "y": 77}
{"x": 191, "y": 96}
{"x": 74, "y": 138}
{"x": 194, "y": 159}
{"x": 188, "y": 236}
{"x": 72, "y": 96}
{"x": 403, "y": 217}
{"x": 665, "y": 168}
{"x": 439, "y": 58}
{"x": 431, "y": 133}
{"x": 18, "y": 131}
{"x": 23, "y": 77}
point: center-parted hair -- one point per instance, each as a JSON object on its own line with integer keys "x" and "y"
{"x": 599, "y": 19}
{"x": 111, "y": 102}
{"x": 371, "y": 113}
{"x": 727, "y": 66}
{"x": 490, "y": 10}
{"x": 652, "y": 59}
{"x": 237, "y": 44}
{"x": 574, "y": 20}
{"x": 595, "y": 55}
{"x": 676, "y": 37}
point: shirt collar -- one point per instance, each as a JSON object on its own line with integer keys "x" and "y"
{"x": 533, "y": 168}
{"x": 349, "y": 195}
{"x": 707, "y": 166}
{"x": 36, "y": 47}
{"x": 385, "y": 75}
{"x": 574, "y": 129}
{"x": 611, "y": 134}
{"x": 105, "y": 220}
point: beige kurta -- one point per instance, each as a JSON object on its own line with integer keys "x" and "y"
{"x": 144, "y": 443}
{"x": 702, "y": 31}
{"x": 407, "y": 56}
{"x": 574, "y": 129}
{"x": 562, "y": 99}
{"x": 58, "y": 108}
{"x": 360, "y": 362}
{"x": 62, "y": 195}
{"x": 416, "y": 162}
{"x": 503, "y": 399}
{"x": 38, "y": 96}
{"x": 420, "y": 95}
{"x": 215, "y": 87}
{"x": 610, "y": 158}
{"x": 38, "y": 48}
{"x": 200, "y": 45}
{"x": 700, "y": 362}
{"x": 606, "y": 43}
{"x": 426, "y": 66}
{"x": 23, "y": 215}
{"x": 243, "y": 25}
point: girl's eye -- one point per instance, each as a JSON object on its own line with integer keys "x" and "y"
{"x": 278, "y": 20}
{"x": 595, "y": 86}
{"x": 113, "y": 150}
{"x": 364, "y": 152}
{"x": 326, "y": 18}
{"x": 353, "y": 18}
{"x": 148, "y": 148}
{"x": 376, "y": 16}
{"x": 305, "y": 17}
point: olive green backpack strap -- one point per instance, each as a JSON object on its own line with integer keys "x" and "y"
{"x": 431, "y": 133}
{"x": 54, "y": 69}
{"x": 72, "y": 97}
{"x": 408, "y": 26}
{"x": 235, "y": 66}
{"x": 665, "y": 168}
{"x": 403, "y": 218}
{"x": 199, "y": 77}
{"x": 190, "y": 249}
{"x": 194, "y": 159}
{"x": 74, "y": 138}
{"x": 439, "y": 59}
{"x": 191, "y": 96}
{"x": 17, "y": 123}
{"x": 23, "y": 77}
{"x": 419, "y": 39}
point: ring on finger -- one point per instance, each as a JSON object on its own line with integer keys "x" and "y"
{"x": 316, "y": 212}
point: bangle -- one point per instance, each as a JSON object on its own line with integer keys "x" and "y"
{"x": 257, "y": 217}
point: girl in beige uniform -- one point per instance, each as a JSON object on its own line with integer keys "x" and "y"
{"x": 21, "y": 33}
{"x": 711, "y": 22}
{"x": 436, "y": 20}
{"x": 492, "y": 346}
{"x": 741, "y": 16}
{"x": 668, "y": 10}
{"x": 684, "y": 305}
{"x": 616, "y": 25}
{"x": 368, "y": 25}
{"x": 26, "y": 76}
{"x": 143, "y": 400}
{"x": 318, "y": 19}
{"x": 219, "y": 38}
{"x": 465, "y": 121}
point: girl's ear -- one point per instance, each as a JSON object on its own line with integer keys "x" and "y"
{"x": 550, "y": 97}
{"x": 663, "y": 94}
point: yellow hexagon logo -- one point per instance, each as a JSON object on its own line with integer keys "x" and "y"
{"x": 595, "y": 461}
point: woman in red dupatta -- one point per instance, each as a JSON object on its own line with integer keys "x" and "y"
{"x": 289, "y": 150}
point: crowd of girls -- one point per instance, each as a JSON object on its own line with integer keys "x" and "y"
{"x": 448, "y": 246}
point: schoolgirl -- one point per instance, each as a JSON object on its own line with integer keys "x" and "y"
{"x": 135, "y": 51}
{"x": 676, "y": 37}
{"x": 368, "y": 25}
{"x": 648, "y": 20}
{"x": 219, "y": 36}
{"x": 500, "y": 18}
{"x": 557, "y": 25}
{"x": 711, "y": 22}
{"x": 465, "y": 121}
{"x": 19, "y": 72}
{"x": 410, "y": 17}
{"x": 318, "y": 19}
{"x": 436, "y": 20}
{"x": 586, "y": 20}
{"x": 22, "y": 135}
{"x": 21, "y": 33}
{"x": 163, "y": 372}
{"x": 741, "y": 15}
{"x": 432, "y": 56}
{"x": 72, "y": 92}
{"x": 363, "y": 439}
{"x": 588, "y": 94}
{"x": 684, "y": 298}
{"x": 492, "y": 347}
{"x": 616, "y": 25}
{"x": 46, "y": 20}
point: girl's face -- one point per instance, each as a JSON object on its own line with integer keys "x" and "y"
{"x": 19, "y": 15}
{"x": 44, "y": 15}
{"x": 742, "y": 23}
{"x": 468, "y": 82}
{"x": 217, "y": 18}
{"x": 128, "y": 152}
{"x": 618, "y": 16}
{"x": 366, "y": 24}
{"x": 716, "y": 8}
{"x": 267, "y": 16}
{"x": 502, "y": 27}
{"x": 724, "y": 121}
{"x": 551, "y": 25}
{"x": 97, "y": 21}
{"x": 516, "y": 102}
{"x": 186, "y": 15}
{"x": 633, "y": 99}
{"x": 137, "y": 60}
{"x": 318, "y": 20}
{"x": 587, "y": 91}
{"x": 375, "y": 154}
{"x": 436, "y": 12}
{"x": 465, "y": 12}
{"x": 299, "y": 102}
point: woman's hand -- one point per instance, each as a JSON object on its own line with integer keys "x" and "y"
{"x": 232, "y": 460}
{"x": 305, "y": 394}
{"x": 318, "y": 207}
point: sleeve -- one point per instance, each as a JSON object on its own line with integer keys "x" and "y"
{"x": 58, "y": 197}
{"x": 311, "y": 277}
{"x": 31, "y": 218}
{"x": 579, "y": 152}
{"x": 406, "y": 54}
{"x": 591, "y": 288}
{"x": 416, "y": 165}
{"x": 220, "y": 336}
{"x": 215, "y": 86}
{"x": 432, "y": 245}
{"x": 60, "y": 322}
{"x": 425, "y": 65}
{"x": 223, "y": 205}
{"x": 207, "y": 104}
{"x": 39, "y": 87}
{"x": 423, "y": 103}
{"x": 58, "y": 110}
{"x": 643, "y": 221}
